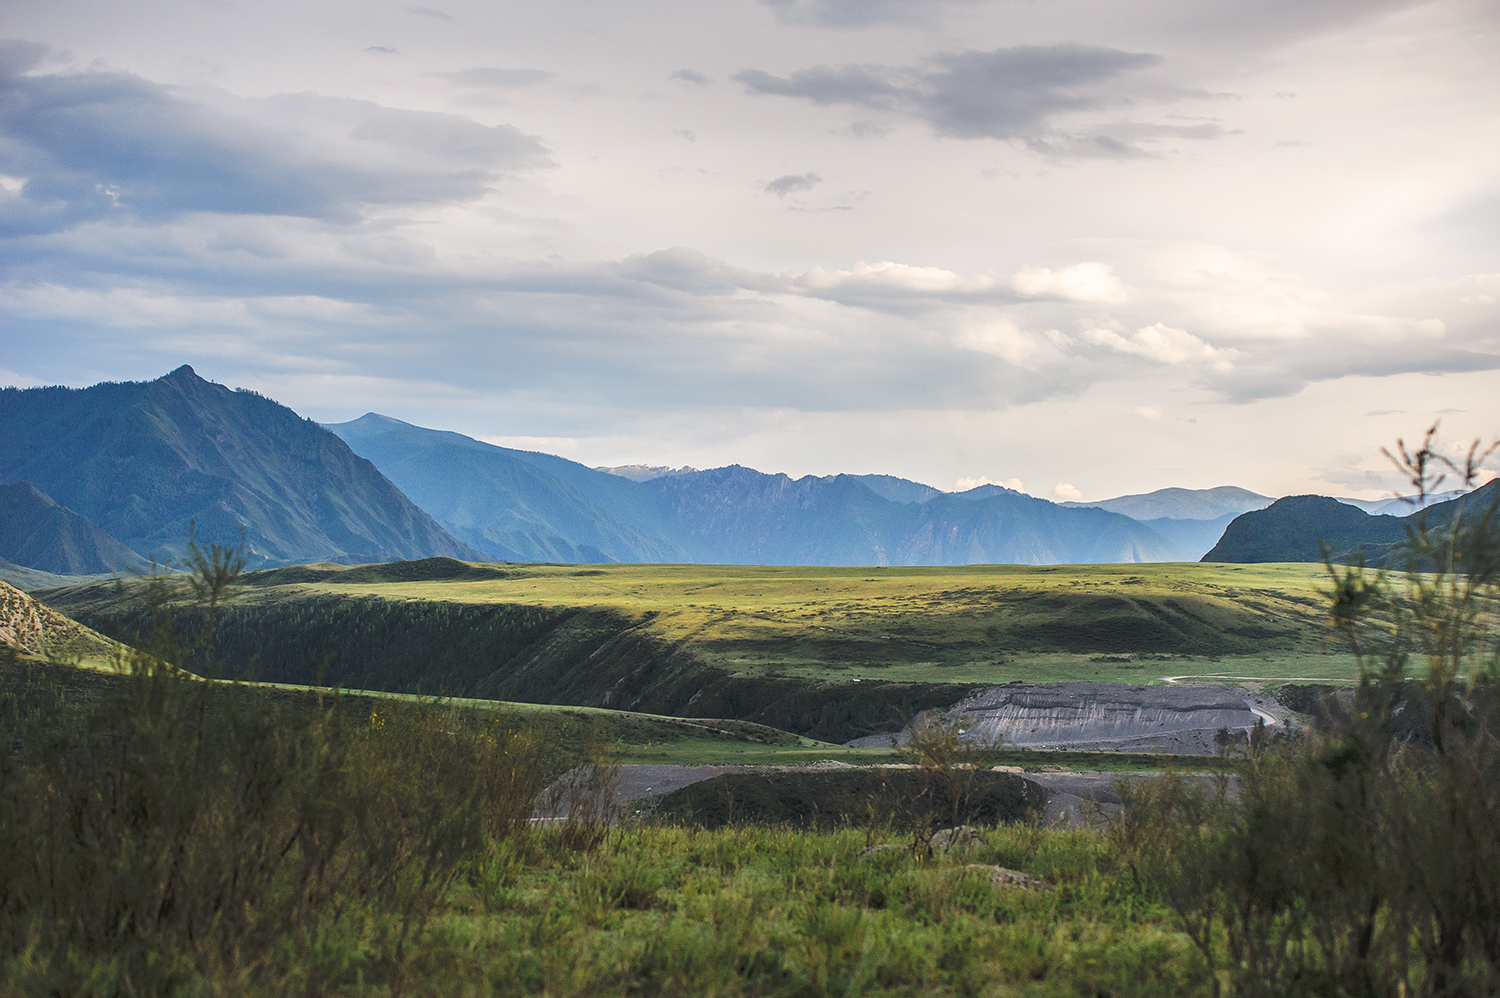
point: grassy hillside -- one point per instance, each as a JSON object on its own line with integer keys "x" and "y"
{"x": 831, "y": 653}
{"x": 33, "y": 630}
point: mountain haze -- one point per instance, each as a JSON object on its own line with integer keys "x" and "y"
{"x": 36, "y": 532}
{"x": 1184, "y": 504}
{"x": 144, "y": 460}
{"x": 523, "y": 505}
{"x": 509, "y": 505}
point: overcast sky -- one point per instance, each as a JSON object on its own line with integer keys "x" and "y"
{"x": 1086, "y": 246}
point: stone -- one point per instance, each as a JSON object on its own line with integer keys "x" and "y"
{"x": 964, "y": 838}
{"x": 1009, "y": 878}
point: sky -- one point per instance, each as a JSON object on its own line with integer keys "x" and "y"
{"x": 1080, "y": 247}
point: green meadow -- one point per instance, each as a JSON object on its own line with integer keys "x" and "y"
{"x": 830, "y": 654}
{"x": 968, "y": 624}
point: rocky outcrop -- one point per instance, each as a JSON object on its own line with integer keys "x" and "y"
{"x": 1110, "y": 716}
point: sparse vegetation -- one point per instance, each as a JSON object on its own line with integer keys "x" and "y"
{"x": 1365, "y": 858}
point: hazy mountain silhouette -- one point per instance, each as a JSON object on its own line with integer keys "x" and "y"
{"x": 502, "y": 500}
{"x": 35, "y": 532}
{"x": 1184, "y": 504}
{"x": 144, "y": 459}
{"x": 510, "y": 505}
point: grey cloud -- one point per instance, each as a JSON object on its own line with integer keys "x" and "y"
{"x": 494, "y": 78}
{"x": 691, "y": 77}
{"x": 693, "y": 271}
{"x": 673, "y": 323}
{"x": 792, "y": 183}
{"x": 97, "y": 145}
{"x": 380, "y": 50}
{"x": 1009, "y": 93}
{"x": 854, "y": 13}
{"x": 17, "y": 57}
{"x": 430, "y": 12}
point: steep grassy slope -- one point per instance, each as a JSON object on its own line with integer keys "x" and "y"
{"x": 827, "y": 652}
{"x": 36, "y": 532}
{"x": 34, "y": 630}
{"x": 144, "y": 459}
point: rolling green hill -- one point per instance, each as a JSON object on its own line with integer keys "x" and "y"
{"x": 832, "y": 653}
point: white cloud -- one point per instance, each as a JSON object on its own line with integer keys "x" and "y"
{"x": 888, "y": 275}
{"x": 965, "y": 484}
{"x": 1163, "y": 344}
{"x": 1148, "y": 411}
{"x": 1065, "y": 491}
{"x": 1082, "y": 282}
{"x": 1014, "y": 345}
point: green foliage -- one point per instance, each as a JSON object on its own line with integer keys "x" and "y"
{"x": 869, "y": 798}
{"x": 1362, "y": 859}
{"x": 177, "y": 831}
{"x": 948, "y": 762}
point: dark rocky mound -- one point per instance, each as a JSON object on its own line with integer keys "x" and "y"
{"x": 835, "y": 798}
{"x": 421, "y": 570}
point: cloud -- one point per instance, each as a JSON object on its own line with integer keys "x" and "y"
{"x": 430, "y": 12}
{"x": 99, "y": 145}
{"x": 792, "y": 183}
{"x": 892, "y": 282}
{"x": 489, "y": 77}
{"x": 965, "y": 484}
{"x": 1083, "y": 282}
{"x": 854, "y": 13}
{"x": 1008, "y": 93}
{"x": 692, "y": 271}
{"x": 379, "y": 50}
{"x": 690, "y": 77}
{"x": 1151, "y": 412}
{"x": 1162, "y": 344}
{"x": 1065, "y": 491}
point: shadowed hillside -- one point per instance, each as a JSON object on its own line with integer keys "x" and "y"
{"x": 36, "y": 532}
{"x": 834, "y": 653}
{"x": 1295, "y": 528}
{"x": 143, "y": 460}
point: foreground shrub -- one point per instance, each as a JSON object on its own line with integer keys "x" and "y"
{"x": 196, "y": 830}
{"x": 1363, "y": 859}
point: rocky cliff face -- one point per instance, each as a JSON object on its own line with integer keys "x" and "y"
{"x": 1111, "y": 716}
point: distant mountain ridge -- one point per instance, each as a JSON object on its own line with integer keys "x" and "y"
{"x": 144, "y": 460}
{"x": 1184, "y": 504}
{"x": 1296, "y": 528}
{"x": 490, "y": 496}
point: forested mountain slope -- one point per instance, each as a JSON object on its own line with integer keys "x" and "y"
{"x": 144, "y": 460}
{"x": 36, "y": 532}
{"x": 1295, "y": 528}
